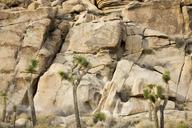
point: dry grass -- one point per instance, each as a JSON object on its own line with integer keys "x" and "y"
{"x": 168, "y": 124}
{"x": 45, "y": 122}
{"x": 46, "y": 126}
{"x": 176, "y": 124}
{"x": 145, "y": 124}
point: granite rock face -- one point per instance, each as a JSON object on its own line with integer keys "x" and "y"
{"x": 24, "y": 36}
{"x": 93, "y": 37}
{"x": 129, "y": 43}
{"x": 165, "y": 16}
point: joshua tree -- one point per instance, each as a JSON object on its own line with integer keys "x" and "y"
{"x": 153, "y": 93}
{"x": 166, "y": 78}
{"x": 79, "y": 69}
{"x": 4, "y": 96}
{"x": 185, "y": 112}
{"x": 31, "y": 70}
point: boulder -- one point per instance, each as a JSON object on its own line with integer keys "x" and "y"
{"x": 72, "y": 6}
{"x": 92, "y": 37}
{"x": 105, "y": 4}
{"x": 155, "y": 42}
{"x": 54, "y": 96}
{"x": 85, "y": 17}
{"x": 133, "y": 29}
{"x": 185, "y": 83}
{"x": 2, "y": 6}
{"x": 21, "y": 122}
{"x": 134, "y": 44}
{"x": 26, "y": 16}
{"x": 43, "y": 2}
{"x": 124, "y": 95}
{"x": 155, "y": 14}
{"x": 128, "y": 108}
{"x": 56, "y": 2}
{"x": 33, "y": 6}
{"x": 11, "y": 3}
{"x": 154, "y": 33}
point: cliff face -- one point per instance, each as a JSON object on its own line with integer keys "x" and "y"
{"x": 129, "y": 42}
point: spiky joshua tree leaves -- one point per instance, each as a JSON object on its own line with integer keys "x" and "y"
{"x": 32, "y": 66}
{"x": 31, "y": 69}
{"x": 166, "y": 76}
{"x": 79, "y": 69}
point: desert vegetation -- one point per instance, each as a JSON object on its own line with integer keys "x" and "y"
{"x": 31, "y": 70}
{"x": 99, "y": 116}
{"x": 7, "y": 121}
{"x": 154, "y": 94}
{"x": 79, "y": 69}
{"x": 4, "y": 99}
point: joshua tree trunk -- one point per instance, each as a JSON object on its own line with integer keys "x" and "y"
{"x": 31, "y": 102}
{"x": 150, "y": 111}
{"x": 14, "y": 116}
{"x": 4, "y": 108}
{"x": 161, "y": 116}
{"x": 156, "y": 117}
{"x": 186, "y": 115}
{"x": 162, "y": 108}
{"x": 78, "y": 122}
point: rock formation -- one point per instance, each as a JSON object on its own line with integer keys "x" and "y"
{"x": 129, "y": 44}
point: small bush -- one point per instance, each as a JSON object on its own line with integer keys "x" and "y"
{"x": 182, "y": 124}
{"x": 166, "y": 76}
{"x": 176, "y": 124}
{"x": 99, "y": 117}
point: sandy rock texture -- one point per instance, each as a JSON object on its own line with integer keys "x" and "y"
{"x": 129, "y": 43}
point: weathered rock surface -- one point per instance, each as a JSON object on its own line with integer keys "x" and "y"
{"x": 24, "y": 37}
{"x": 128, "y": 43}
{"x": 55, "y": 96}
{"x": 92, "y": 37}
{"x": 165, "y": 16}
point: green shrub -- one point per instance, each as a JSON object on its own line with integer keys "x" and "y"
{"x": 32, "y": 66}
{"x": 81, "y": 61}
{"x": 174, "y": 123}
{"x": 166, "y": 76}
{"x": 182, "y": 124}
{"x": 99, "y": 116}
